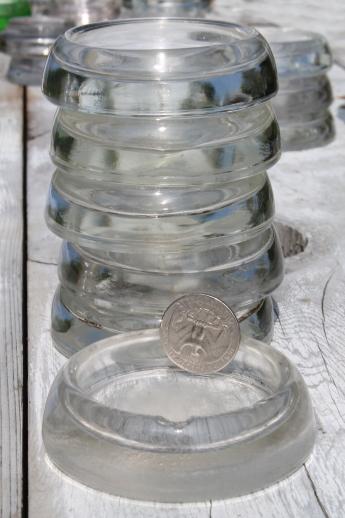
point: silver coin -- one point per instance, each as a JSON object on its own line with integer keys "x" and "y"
{"x": 200, "y": 334}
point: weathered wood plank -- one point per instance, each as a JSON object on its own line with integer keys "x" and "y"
{"x": 4, "y": 64}
{"x": 42, "y": 244}
{"x": 11, "y": 259}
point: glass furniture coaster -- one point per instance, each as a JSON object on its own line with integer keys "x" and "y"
{"x": 28, "y": 40}
{"x": 305, "y": 94}
{"x": 80, "y": 12}
{"x": 171, "y": 8}
{"x": 122, "y": 419}
{"x": 161, "y": 143}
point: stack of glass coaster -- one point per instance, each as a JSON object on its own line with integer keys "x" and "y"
{"x": 161, "y": 143}
{"x": 305, "y": 94}
{"x": 179, "y": 8}
{"x": 28, "y": 40}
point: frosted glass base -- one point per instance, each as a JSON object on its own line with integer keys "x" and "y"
{"x": 71, "y": 334}
{"x": 122, "y": 419}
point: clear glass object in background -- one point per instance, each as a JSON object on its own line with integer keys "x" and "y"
{"x": 122, "y": 419}
{"x": 179, "y": 8}
{"x": 305, "y": 94}
{"x": 12, "y": 8}
{"x": 161, "y": 144}
{"x": 80, "y": 12}
{"x": 28, "y": 40}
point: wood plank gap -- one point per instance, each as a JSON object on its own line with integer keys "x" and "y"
{"x": 25, "y": 393}
{"x": 322, "y": 507}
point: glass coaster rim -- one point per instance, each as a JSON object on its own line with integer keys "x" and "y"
{"x": 305, "y": 55}
{"x": 232, "y": 68}
{"x": 75, "y": 394}
{"x": 251, "y": 31}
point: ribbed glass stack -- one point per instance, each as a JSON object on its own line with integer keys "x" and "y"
{"x": 28, "y": 39}
{"x": 161, "y": 143}
{"x": 305, "y": 93}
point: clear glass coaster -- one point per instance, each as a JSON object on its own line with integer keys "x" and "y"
{"x": 302, "y": 109}
{"x": 316, "y": 132}
{"x": 122, "y": 419}
{"x": 28, "y": 40}
{"x": 297, "y": 53}
{"x": 162, "y": 152}
{"x": 176, "y": 66}
{"x": 72, "y": 332}
{"x": 81, "y": 12}
{"x": 303, "y": 99}
{"x": 171, "y": 8}
{"x": 249, "y": 211}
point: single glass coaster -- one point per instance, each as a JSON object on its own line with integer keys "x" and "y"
{"x": 176, "y": 66}
{"x": 72, "y": 332}
{"x": 41, "y": 7}
{"x": 316, "y": 132}
{"x": 303, "y": 99}
{"x": 297, "y": 53}
{"x": 247, "y": 213}
{"x": 302, "y": 109}
{"x": 27, "y": 71}
{"x": 122, "y": 419}
{"x": 171, "y": 8}
{"x": 81, "y": 12}
{"x": 164, "y": 152}
{"x": 28, "y": 40}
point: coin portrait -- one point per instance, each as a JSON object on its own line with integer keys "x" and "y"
{"x": 200, "y": 333}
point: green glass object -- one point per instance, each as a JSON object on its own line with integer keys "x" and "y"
{"x": 11, "y": 8}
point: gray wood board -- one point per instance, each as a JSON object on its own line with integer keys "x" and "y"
{"x": 11, "y": 277}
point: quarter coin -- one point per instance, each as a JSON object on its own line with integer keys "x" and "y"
{"x": 200, "y": 333}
